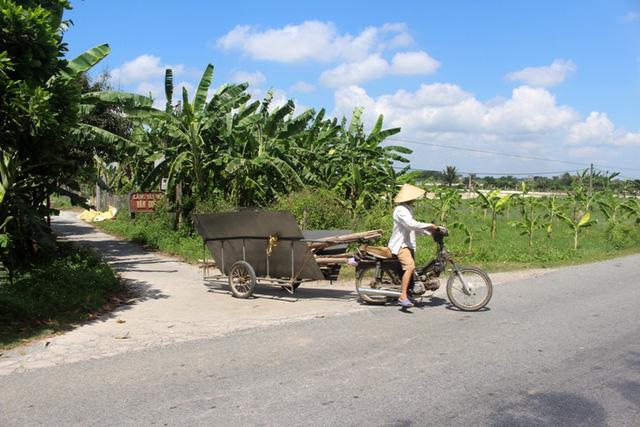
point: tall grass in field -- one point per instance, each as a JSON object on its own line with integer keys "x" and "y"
{"x": 548, "y": 242}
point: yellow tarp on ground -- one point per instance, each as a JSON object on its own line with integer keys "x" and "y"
{"x": 95, "y": 216}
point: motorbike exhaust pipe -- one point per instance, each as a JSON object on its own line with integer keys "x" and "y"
{"x": 379, "y": 292}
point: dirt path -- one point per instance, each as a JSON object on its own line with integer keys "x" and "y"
{"x": 173, "y": 304}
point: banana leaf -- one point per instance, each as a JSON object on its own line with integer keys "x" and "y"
{"x": 85, "y": 61}
{"x": 124, "y": 99}
{"x": 203, "y": 88}
{"x": 76, "y": 199}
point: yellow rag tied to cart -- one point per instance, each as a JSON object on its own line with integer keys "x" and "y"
{"x": 272, "y": 242}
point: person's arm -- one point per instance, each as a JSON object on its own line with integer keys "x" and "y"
{"x": 405, "y": 218}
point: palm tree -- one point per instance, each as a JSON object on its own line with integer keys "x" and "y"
{"x": 450, "y": 175}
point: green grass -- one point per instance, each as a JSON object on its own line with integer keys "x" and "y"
{"x": 154, "y": 231}
{"x": 510, "y": 250}
{"x": 71, "y": 286}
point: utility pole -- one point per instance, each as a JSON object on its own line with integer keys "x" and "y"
{"x": 591, "y": 180}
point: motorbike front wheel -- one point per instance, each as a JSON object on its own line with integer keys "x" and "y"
{"x": 366, "y": 278}
{"x": 477, "y": 292}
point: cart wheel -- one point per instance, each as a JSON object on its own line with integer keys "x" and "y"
{"x": 242, "y": 279}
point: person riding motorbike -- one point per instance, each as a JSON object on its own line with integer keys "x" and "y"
{"x": 403, "y": 238}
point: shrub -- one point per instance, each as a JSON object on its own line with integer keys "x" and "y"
{"x": 75, "y": 281}
{"x": 214, "y": 203}
{"x": 622, "y": 236}
{"x": 317, "y": 209}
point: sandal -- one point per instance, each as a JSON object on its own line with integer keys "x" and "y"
{"x": 405, "y": 303}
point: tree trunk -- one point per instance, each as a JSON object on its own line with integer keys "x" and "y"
{"x": 493, "y": 226}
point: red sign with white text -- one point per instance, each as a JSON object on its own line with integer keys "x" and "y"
{"x": 144, "y": 202}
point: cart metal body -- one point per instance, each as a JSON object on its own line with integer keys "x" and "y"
{"x": 261, "y": 247}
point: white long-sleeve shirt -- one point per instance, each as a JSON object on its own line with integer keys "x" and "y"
{"x": 405, "y": 229}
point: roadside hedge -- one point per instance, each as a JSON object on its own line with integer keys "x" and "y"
{"x": 73, "y": 282}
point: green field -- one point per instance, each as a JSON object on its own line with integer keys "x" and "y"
{"x": 510, "y": 250}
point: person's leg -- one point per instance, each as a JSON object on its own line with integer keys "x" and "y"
{"x": 406, "y": 279}
{"x": 408, "y": 265}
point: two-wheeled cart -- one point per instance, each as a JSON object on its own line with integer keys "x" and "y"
{"x": 268, "y": 248}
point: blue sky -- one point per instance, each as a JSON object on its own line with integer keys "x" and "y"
{"x": 530, "y": 87}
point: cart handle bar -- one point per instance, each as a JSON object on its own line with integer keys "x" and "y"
{"x": 251, "y": 237}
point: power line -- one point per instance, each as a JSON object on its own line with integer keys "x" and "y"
{"x": 616, "y": 167}
{"x": 522, "y": 173}
{"x": 476, "y": 150}
{"x": 498, "y": 153}
{"x": 496, "y": 173}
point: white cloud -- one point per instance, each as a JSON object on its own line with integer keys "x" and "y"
{"x": 313, "y": 41}
{"x": 400, "y": 40}
{"x": 544, "y": 76}
{"x": 631, "y": 17}
{"x": 585, "y": 152}
{"x": 142, "y": 68}
{"x": 414, "y": 63}
{"x": 302, "y": 87}
{"x": 596, "y": 129}
{"x": 254, "y": 79}
{"x": 530, "y": 123}
{"x": 374, "y": 67}
{"x": 628, "y": 138}
{"x": 400, "y": 35}
{"x": 530, "y": 111}
{"x": 345, "y": 74}
{"x": 443, "y": 110}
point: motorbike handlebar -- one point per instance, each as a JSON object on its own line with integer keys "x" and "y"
{"x": 439, "y": 231}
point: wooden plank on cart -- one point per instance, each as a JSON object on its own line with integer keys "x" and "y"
{"x": 345, "y": 238}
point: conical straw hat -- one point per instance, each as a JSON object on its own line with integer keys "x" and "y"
{"x": 407, "y": 193}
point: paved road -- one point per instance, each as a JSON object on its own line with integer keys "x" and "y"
{"x": 173, "y": 304}
{"x": 559, "y": 350}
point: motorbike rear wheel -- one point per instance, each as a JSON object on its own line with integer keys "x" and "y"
{"x": 366, "y": 278}
{"x": 480, "y": 292}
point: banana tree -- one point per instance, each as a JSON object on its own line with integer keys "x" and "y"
{"x": 365, "y": 168}
{"x": 263, "y": 160}
{"x": 631, "y": 208}
{"x": 530, "y": 219}
{"x": 120, "y": 160}
{"x": 445, "y": 199}
{"x": 612, "y": 209}
{"x": 188, "y": 136}
{"x": 315, "y": 147}
{"x": 496, "y": 204}
{"x": 469, "y": 233}
{"x": 552, "y": 208}
{"x": 577, "y": 224}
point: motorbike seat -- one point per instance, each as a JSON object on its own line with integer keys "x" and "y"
{"x": 379, "y": 252}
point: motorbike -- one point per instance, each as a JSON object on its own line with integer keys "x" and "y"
{"x": 379, "y": 277}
